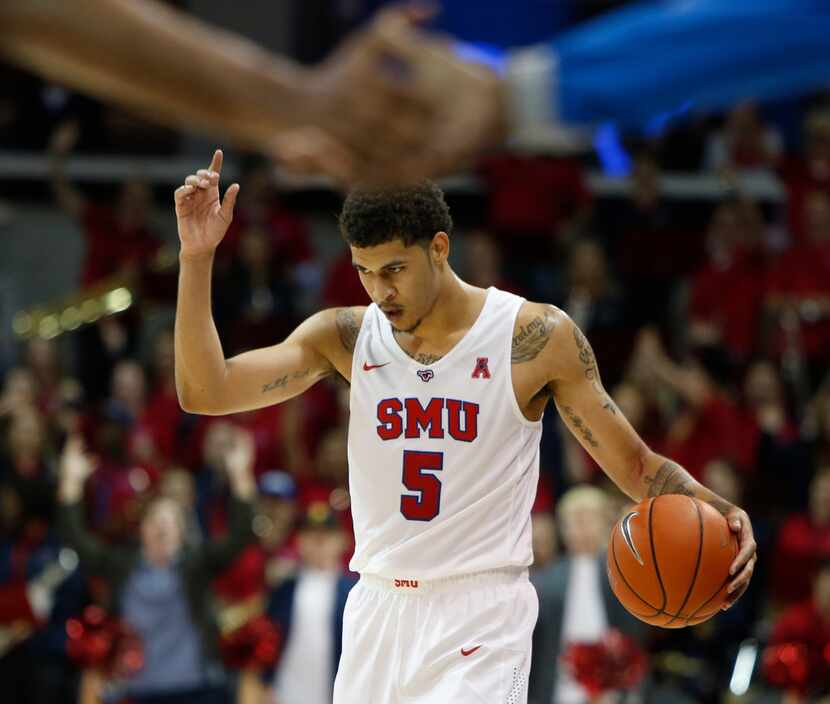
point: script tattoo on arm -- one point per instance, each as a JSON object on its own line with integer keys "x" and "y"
{"x": 589, "y": 364}
{"x": 532, "y": 338}
{"x": 283, "y": 380}
{"x": 278, "y": 383}
{"x": 347, "y": 328}
{"x": 580, "y": 427}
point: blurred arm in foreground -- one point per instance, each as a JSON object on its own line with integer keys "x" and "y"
{"x": 394, "y": 103}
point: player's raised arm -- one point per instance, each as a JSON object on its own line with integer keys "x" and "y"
{"x": 599, "y": 425}
{"x": 205, "y": 381}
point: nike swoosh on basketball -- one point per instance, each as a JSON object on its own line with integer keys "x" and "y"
{"x": 369, "y": 367}
{"x": 465, "y": 653}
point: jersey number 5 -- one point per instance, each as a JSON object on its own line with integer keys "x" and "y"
{"x": 417, "y": 476}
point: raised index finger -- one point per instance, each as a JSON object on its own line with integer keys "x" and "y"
{"x": 216, "y": 162}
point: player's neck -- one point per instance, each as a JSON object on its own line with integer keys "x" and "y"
{"x": 456, "y": 309}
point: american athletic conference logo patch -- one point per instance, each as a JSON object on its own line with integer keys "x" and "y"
{"x": 425, "y": 374}
{"x": 481, "y": 370}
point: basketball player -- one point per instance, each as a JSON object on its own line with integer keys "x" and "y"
{"x": 448, "y": 386}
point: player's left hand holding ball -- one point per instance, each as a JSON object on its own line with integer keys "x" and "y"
{"x": 744, "y": 562}
{"x": 202, "y": 218}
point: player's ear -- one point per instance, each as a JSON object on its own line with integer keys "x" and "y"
{"x": 439, "y": 248}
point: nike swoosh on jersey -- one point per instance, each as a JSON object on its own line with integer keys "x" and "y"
{"x": 465, "y": 653}
{"x": 369, "y": 367}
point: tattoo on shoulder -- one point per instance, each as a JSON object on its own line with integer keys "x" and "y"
{"x": 348, "y": 328}
{"x": 579, "y": 426}
{"x": 670, "y": 478}
{"x": 589, "y": 364}
{"x": 532, "y": 338}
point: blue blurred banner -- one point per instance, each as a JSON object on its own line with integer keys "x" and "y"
{"x": 635, "y": 64}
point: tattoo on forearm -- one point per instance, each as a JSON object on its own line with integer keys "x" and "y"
{"x": 670, "y": 478}
{"x": 347, "y": 328}
{"x": 579, "y": 426}
{"x": 589, "y": 363}
{"x": 532, "y": 338}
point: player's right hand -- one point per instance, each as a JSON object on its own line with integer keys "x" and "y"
{"x": 202, "y": 218}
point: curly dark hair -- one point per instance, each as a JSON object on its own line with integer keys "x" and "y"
{"x": 412, "y": 213}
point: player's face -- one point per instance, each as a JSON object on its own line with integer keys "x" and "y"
{"x": 403, "y": 281}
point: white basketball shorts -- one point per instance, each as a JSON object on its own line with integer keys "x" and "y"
{"x": 464, "y": 640}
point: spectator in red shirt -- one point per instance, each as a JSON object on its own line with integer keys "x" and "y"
{"x": 808, "y": 623}
{"x": 259, "y": 207}
{"x": 342, "y": 285}
{"x": 808, "y": 173}
{"x": 799, "y": 289}
{"x": 727, "y": 291}
{"x": 119, "y": 243}
{"x": 256, "y": 300}
{"x": 268, "y": 246}
{"x": 770, "y": 442}
{"x": 263, "y": 565}
{"x": 483, "y": 262}
{"x": 149, "y": 437}
{"x": 163, "y": 422}
{"x": 536, "y": 196}
{"x": 745, "y": 144}
{"x": 592, "y": 298}
{"x": 119, "y": 239}
{"x": 702, "y": 418}
{"x": 42, "y": 360}
{"x": 26, "y": 463}
{"x": 535, "y": 203}
{"x": 650, "y": 245}
{"x": 817, "y": 426}
{"x": 803, "y": 542}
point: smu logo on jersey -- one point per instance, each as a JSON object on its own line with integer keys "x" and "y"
{"x": 457, "y": 418}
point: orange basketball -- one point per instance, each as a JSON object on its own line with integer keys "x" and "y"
{"x": 668, "y": 560}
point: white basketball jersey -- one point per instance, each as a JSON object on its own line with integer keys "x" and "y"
{"x": 443, "y": 466}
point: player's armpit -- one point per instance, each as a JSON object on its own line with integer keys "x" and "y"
{"x": 588, "y": 410}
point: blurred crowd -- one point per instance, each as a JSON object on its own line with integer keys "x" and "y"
{"x": 215, "y": 550}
